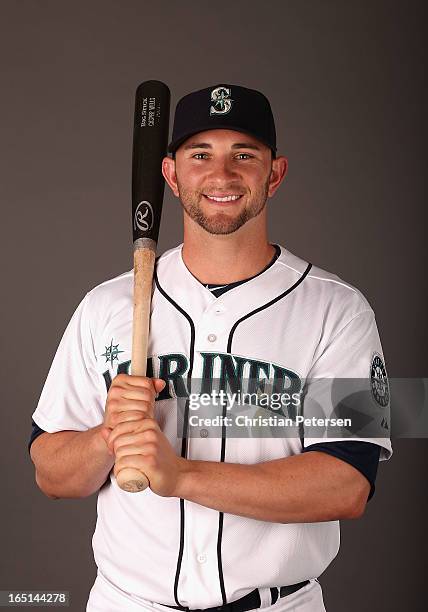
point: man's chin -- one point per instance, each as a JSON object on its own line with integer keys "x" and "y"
{"x": 220, "y": 224}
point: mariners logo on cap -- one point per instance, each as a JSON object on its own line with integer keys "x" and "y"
{"x": 221, "y": 102}
{"x": 379, "y": 381}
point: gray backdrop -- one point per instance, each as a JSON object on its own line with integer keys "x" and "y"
{"x": 345, "y": 83}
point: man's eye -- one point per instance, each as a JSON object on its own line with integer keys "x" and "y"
{"x": 244, "y": 155}
{"x": 199, "y": 156}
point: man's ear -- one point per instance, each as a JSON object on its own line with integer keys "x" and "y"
{"x": 168, "y": 171}
{"x": 277, "y": 175}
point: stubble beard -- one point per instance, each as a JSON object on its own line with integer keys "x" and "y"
{"x": 222, "y": 223}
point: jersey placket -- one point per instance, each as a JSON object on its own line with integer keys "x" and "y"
{"x": 201, "y": 574}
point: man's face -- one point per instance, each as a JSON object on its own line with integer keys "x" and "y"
{"x": 222, "y": 179}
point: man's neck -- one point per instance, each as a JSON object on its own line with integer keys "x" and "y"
{"x": 226, "y": 258}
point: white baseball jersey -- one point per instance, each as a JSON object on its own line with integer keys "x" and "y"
{"x": 293, "y": 318}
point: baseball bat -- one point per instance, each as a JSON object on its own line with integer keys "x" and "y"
{"x": 150, "y": 137}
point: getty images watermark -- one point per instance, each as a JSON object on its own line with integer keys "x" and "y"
{"x": 311, "y": 408}
{"x": 280, "y": 402}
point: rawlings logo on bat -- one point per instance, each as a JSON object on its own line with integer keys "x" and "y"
{"x": 143, "y": 218}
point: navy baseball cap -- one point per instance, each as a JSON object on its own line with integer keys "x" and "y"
{"x": 229, "y": 107}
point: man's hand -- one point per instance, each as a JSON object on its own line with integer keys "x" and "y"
{"x": 130, "y": 398}
{"x": 133, "y": 435}
{"x": 142, "y": 445}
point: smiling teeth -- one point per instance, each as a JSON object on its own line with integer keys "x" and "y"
{"x": 229, "y": 198}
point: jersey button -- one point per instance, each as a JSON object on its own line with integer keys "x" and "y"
{"x": 212, "y": 337}
{"x": 201, "y": 558}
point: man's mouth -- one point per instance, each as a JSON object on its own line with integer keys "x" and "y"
{"x": 227, "y": 198}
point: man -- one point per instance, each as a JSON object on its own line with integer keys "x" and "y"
{"x": 229, "y": 522}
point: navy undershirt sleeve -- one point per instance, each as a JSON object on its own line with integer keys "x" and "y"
{"x": 36, "y": 431}
{"x": 364, "y": 456}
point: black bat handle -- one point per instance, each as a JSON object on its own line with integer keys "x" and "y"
{"x": 151, "y": 122}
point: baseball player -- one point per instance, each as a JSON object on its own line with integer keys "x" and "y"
{"x": 230, "y": 522}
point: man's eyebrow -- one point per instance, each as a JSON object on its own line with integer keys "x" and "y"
{"x": 207, "y": 145}
{"x": 198, "y": 145}
{"x": 245, "y": 145}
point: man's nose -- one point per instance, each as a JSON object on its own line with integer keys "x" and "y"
{"x": 223, "y": 168}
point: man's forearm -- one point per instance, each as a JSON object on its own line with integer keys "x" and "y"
{"x": 304, "y": 488}
{"x": 71, "y": 463}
